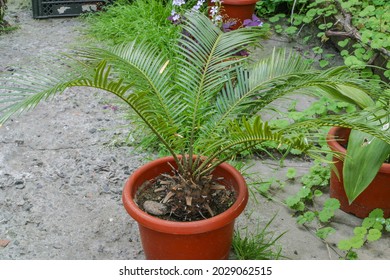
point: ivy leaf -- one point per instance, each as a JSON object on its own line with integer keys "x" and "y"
{"x": 323, "y": 63}
{"x": 325, "y": 215}
{"x": 367, "y": 11}
{"x": 344, "y": 245}
{"x": 357, "y": 242}
{"x": 325, "y": 232}
{"x": 360, "y": 231}
{"x": 311, "y": 13}
{"x": 373, "y": 235}
{"x": 344, "y": 53}
{"x": 291, "y": 30}
{"x": 376, "y": 213}
{"x": 378, "y": 226}
{"x": 301, "y": 219}
{"x": 378, "y": 40}
{"x": 306, "y": 39}
{"x": 300, "y": 206}
{"x": 264, "y": 187}
{"x": 278, "y": 28}
{"x": 332, "y": 203}
{"x": 387, "y": 225}
{"x": 292, "y": 201}
{"x": 327, "y": 212}
{"x": 366, "y": 36}
{"x": 274, "y": 18}
{"x": 309, "y": 215}
{"x": 318, "y": 50}
{"x": 303, "y": 192}
{"x": 353, "y": 61}
{"x": 318, "y": 193}
{"x": 306, "y": 218}
{"x": 352, "y": 255}
{"x": 368, "y": 222}
{"x": 343, "y": 43}
{"x": 291, "y": 173}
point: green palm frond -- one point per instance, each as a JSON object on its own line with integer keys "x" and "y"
{"x": 137, "y": 100}
{"x": 206, "y": 99}
{"x": 283, "y": 73}
{"x": 242, "y": 135}
{"x": 206, "y": 60}
{"x": 26, "y": 89}
{"x": 147, "y": 68}
{"x": 346, "y": 121}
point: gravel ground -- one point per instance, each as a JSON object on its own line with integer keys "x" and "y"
{"x": 61, "y": 171}
{"x": 64, "y": 164}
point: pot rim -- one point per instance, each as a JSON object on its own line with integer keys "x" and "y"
{"x": 194, "y": 227}
{"x": 333, "y": 143}
{"x": 239, "y": 2}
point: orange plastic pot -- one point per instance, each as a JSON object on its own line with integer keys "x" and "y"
{"x": 198, "y": 240}
{"x": 376, "y": 195}
{"x": 237, "y": 10}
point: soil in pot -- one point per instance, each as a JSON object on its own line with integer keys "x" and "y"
{"x": 171, "y": 197}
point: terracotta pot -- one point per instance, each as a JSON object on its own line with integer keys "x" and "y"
{"x": 376, "y": 195}
{"x": 238, "y": 10}
{"x": 206, "y": 239}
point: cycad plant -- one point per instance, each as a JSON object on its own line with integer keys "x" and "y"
{"x": 204, "y": 105}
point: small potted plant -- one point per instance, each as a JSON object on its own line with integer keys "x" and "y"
{"x": 204, "y": 107}
{"x": 233, "y": 12}
{"x": 361, "y": 181}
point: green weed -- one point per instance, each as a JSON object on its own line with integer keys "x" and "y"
{"x": 145, "y": 20}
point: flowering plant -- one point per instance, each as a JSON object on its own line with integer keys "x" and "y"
{"x": 179, "y": 7}
{"x": 214, "y": 11}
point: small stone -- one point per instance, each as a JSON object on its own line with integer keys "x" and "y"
{"x": 4, "y": 242}
{"x": 19, "y": 183}
{"x": 105, "y": 189}
{"x": 19, "y": 142}
{"x": 155, "y": 208}
{"x": 92, "y": 130}
{"x": 101, "y": 249}
{"x": 21, "y": 202}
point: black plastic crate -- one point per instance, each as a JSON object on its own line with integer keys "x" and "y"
{"x": 61, "y": 8}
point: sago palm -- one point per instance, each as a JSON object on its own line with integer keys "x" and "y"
{"x": 204, "y": 105}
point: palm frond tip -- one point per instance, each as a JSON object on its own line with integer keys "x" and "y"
{"x": 205, "y": 99}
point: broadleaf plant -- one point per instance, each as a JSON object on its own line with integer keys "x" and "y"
{"x": 203, "y": 102}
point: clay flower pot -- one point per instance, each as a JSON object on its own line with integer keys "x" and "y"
{"x": 205, "y": 239}
{"x": 237, "y": 10}
{"x": 376, "y": 195}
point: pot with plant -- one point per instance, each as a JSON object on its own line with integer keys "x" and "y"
{"x": 204, "y": 107}
{"x": 232, "y": 12}
{"x": 361, "y": 180}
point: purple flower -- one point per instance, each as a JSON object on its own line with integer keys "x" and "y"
{"x": 254, "y": 21}
{"x": 178, "y": 2}
{"x": 227, "y": 25}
